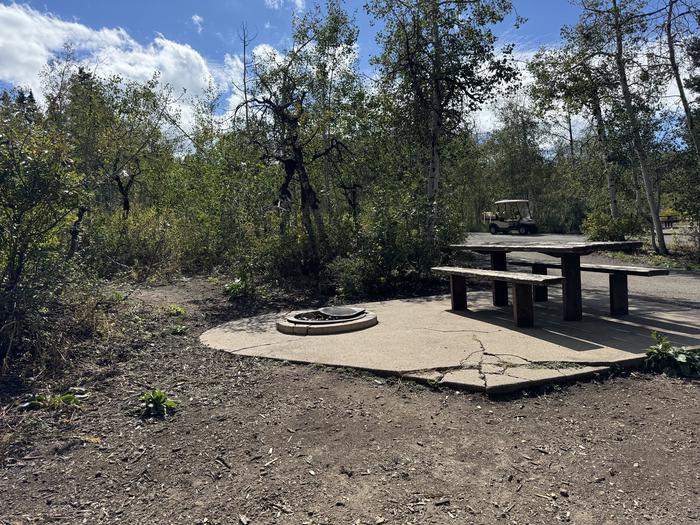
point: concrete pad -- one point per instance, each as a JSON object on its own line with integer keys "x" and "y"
{"x": 491, "y": 369}
{"x": 478, "y": 349}
{"x": 521, "y": 378}
{"x": 429, "y": 377}
{"x": 470, "y": 379}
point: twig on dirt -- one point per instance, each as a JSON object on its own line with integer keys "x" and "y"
{"x": 223, "y": 462}
{"x": 139, "y": 456}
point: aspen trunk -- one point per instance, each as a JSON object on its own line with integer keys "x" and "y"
{"x": 689, "y": 120}
{"x": 636, "y": 134}
{"x": 603, "y": 143}
{"x": 435, "y": 125}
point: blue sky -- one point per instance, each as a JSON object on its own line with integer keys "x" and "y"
{"x": 194, "y": 44}
{"x": 271, "y": 21}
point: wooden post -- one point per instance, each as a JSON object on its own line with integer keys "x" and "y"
{"x": 618, "y": 294}
{"x": 571, "y": 271}
{"x": 458, "y": 291}
{"x": 540, "y": 292}
{"x": 523, "y": 308}
{"x": 499, "y": 288}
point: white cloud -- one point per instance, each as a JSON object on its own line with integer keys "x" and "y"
{"x": 29, "y": 39}
{"x": 198, "y": 22}
{"x": 297, "y": 5}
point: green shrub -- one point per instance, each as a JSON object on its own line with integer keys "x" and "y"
{"x": 144, "y": 243}
{"x": 672, "y": 360}
{"x": 353, "y": 276}
{"x": 175, "y": 310}
{"x": 180, "y": 329}
{"x": 601, "y": 226}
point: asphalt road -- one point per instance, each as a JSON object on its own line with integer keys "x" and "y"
{"x": 680, "y": 287}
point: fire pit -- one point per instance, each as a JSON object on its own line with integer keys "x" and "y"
{"x": 324, "y": 321}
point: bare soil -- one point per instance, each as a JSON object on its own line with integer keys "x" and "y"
{"x": 262, "y": 442}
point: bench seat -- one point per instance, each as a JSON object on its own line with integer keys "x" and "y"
{"x": 523, "y": 309}
{"x": 598, "y": 268}
{"x": 619, "y": 290}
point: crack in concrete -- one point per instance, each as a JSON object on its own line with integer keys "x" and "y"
{"x": 482, "y": 375}
{"x": 444, "y": 370}
{"x": 498, "y": 356}
{"x": 253, "y": 346}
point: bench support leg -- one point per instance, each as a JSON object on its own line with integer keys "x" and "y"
{"x": 540, "y": 291}
{"x": 458, "y": 291}
{"x": 618, "y": 294}
{"x": 500, "y": 288}
{"x": 523, "y": 308}
{"x": 571, "y": 271}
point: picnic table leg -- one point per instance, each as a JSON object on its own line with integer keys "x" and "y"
{"x": 523, "y": 309}
{"x": 618, "y": 294}
{"x": 499, "y": 288}
{"x": 571, "y": 271}
{"x": 540, "y": 292}
{"x": 458, "y": 292}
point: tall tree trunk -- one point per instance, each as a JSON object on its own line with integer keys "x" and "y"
{"x": 571, "y": 133}
{"x": 245, "y": 40}
{"x": 75, "y": 232}
{"x": 311, "y": 216}
{"x": 603, "y": 144}
{"x": 435, "y": 124}
{"x": 635, "y": 131}
{"x": 689, "y": 120}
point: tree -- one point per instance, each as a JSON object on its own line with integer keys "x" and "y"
{"x": 570, "y": 79}
{"x": 39, "y": 189}
{"x": 439, "y": 58}
{"x": 618, "y": 34}
{"x": 672, "y": 24}
{"x": 296, "y": 96}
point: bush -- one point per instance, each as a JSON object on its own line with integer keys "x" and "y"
{"x": 144, "y": 243}
{"x": 672, "y": 360}
{"x": 600, "y": 226}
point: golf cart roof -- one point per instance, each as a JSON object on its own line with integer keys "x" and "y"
{"x": 510, "y": 201}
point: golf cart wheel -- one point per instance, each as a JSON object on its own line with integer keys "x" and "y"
{"x": 493, "y": 229}
{"x": 522, "y": 230}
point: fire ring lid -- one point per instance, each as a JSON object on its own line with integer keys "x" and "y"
{"x": 342, "y": 312}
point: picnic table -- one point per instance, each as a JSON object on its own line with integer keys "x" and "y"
{"x": 568, "y": 252}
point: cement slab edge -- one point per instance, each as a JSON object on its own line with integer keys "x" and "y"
{"x": 569, "y": 377}
{"x": 421, "y": 376}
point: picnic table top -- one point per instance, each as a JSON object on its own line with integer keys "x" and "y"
{"x": 478, "y": 274}
{"x": 519, "y": 245}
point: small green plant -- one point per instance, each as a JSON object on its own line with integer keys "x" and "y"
{"x": 672, "y": 360}
{"x": 157, "y": 404}
{"x": 52, "y": 402}
{"x": 175, "y": 310}
{"x": 238, "y": 288}
{"x": 180, "y": 329}
{"x": 117, "y": 297}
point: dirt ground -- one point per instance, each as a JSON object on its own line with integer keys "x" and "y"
{"x": 257, "y": 442}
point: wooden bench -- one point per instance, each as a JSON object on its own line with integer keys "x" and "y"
{"x": 619, "y": 292}
{"x": 523, "y": 308}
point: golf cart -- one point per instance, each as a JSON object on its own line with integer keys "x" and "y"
{"x": 511, "y": 215}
